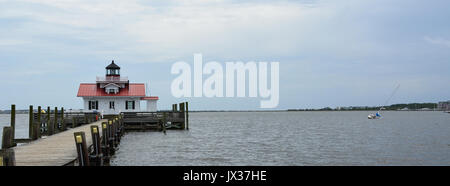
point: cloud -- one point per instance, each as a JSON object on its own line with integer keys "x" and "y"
{"x": 12, "y": 42}
{"x": 437, "y": 41}
{"x": 323, "y": 46}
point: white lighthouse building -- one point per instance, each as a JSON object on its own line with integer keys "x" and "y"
{"x": 113, "y": 94}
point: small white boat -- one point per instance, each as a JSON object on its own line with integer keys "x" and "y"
{"x": 373, "y": 116}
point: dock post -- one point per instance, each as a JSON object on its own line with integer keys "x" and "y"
{"x": 38, "y": 123}
{"x": 187, "y": 115}
{"x": 49, "y": 125}
{"x": 174, "y": 107}
{"x": 105, "y": 142}
{"x": 73, "y": 122}
{"x": 80, "y": 141}
{"x": 7, "y": 157}
{"x": 30, "y": 124}
{"x": 117, "y": 129}
{"x": 7, "y": 141}
{"x": 120, "y": 129}
{"x": 55, "y": 123}
{"x": 114, "y": 129}
{"x": 13, "y": 123}
{"x": 96, "y": 158}
{"x": 164, "y": 121}
{"x": 122, "y": 125}
{"x": 63, "y": 123}
{"x": 183, "y": 125}
{"x": 111, "y": 137}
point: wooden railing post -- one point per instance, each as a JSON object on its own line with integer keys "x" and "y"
{"x": 37, "y": 126}
{"x": 187, "y": 115}
{"x": 121, "y": 126}
{"x": 83, "y": 154}
{"x": 7, "y": 157}
{"x": 111, "y": 138}
{"x": 63, "y": 123}
{"x": 117, "y": 130}
{"x": 105, "y": 141}
{"x": 164, "y": 121}
{"x": 183, "y": 125}
{"x": 7, "y": 141}
{"x": 31, "y": 123}
{"x": 13, "y": 123}
{"x": 55, "y": 123}
{"x": 96, "y": 158}
{"x": 74, "y": 121}
{"x": 49, "y": 123}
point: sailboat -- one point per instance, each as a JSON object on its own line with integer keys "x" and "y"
{"x": 374, "y": 116}
{"x": 377, "y": 115}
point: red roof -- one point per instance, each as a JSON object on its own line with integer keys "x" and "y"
{"x": 91, "y": 90}
{"x": 150, "y": 98}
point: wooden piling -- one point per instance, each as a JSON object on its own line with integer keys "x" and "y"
{"x": 187, "y": 115}
{"x": 183, "y": 125}
{"x": 96, "y": 158}
{"x": 74, "y": 122}
{"x": 111, "y": 137}
{"x": 7, "y": 157}
{"x": 13, "y": 122}
{"x": 116, "y": 131}
{"x": 63, "y": 123}
{"x": 49, "y": 125}
{"x": 55, "y": 122}
{"x": 174, "y": 108}
{"x": 39, "y": 122}
{"x": 164, "y": 121}
{"x": 31, "y": 123}
{"x": 83, "y": 154}
{"x": 7, "y": 141}
{"x": 105, "y": 141}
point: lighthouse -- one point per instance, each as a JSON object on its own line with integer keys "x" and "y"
{"x": 112, "y": 94}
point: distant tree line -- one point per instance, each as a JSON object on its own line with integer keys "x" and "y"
{"x": 403, "y": 106}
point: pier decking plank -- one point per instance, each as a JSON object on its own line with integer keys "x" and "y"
{"x": 55, "y": 150}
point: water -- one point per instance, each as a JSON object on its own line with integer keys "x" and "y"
{"x": 295, "y": 138}
{"x": 290, "y": 138}
{"x": 22, "y": 121}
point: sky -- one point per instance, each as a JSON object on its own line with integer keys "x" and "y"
{"x": 331, "y": 53}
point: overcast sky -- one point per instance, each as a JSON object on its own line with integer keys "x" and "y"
{"x": 331, "y": 53}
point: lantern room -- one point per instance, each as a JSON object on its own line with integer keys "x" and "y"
{"x": 112, "y": 69}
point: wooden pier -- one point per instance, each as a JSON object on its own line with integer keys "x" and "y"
{"x": 55, "y": 150}
{"x": 159, "y": 121}
{"x": 67, "y": 139}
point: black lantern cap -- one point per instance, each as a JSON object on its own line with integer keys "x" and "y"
{"x": 112, "y": 66}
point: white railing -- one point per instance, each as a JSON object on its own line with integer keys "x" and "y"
{"x": 112, "y": 79}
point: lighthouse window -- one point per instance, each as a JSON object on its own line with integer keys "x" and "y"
{"x": 129, "y": 105}
{"x": 93, "y": 105}
{"x": 112, "y": 72}
{"x": 111, "y": 105}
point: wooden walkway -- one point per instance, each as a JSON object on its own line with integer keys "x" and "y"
{"x": 55, "y": 150}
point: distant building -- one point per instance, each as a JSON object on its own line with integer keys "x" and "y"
{"x": 445, "y": 105}
{"x": 113, "y": 94}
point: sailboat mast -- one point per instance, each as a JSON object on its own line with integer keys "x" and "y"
{"x": 392, "y": 95}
